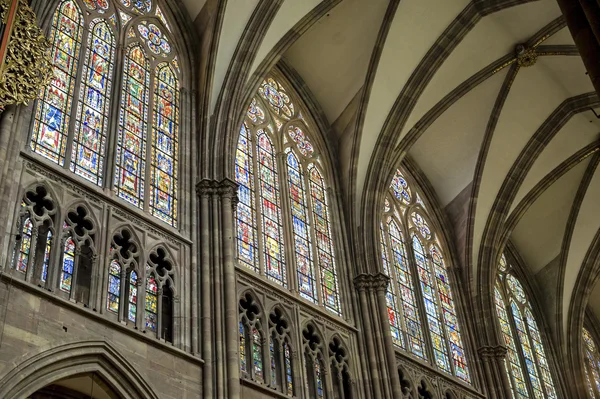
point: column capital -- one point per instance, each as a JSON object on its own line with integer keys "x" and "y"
{"x": 380, "y": 282}
{"x": 206, "y": 187}
{"x": 377, "y": 282}
{"x": 492, "y": 352}
{"x": 362, "y": 282}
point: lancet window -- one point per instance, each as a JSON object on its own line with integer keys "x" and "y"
{"x": 137, "y": 158}
{"x": 420, "y": 292}
{"x": 526, "y": 363}
{"x": 282, "y": 193}
{"x": 591, "y": 364}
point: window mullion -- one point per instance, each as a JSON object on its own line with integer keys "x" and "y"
{"x": 419, "y": 297}
{"x": 256, "y": 199}
{"x": 519, "y": 344}
{"x": 286, "y": 220}
{"x": 149, "y": 147}
{"x": 535, "y": 354}
{"x": 78, "y": 86}
{"x": 313, "y": 236}
{"x": 113, "y": 120}
{"x": 396, "y": 286}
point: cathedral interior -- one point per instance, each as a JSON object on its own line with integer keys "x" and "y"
{"x": 328, "y": 199}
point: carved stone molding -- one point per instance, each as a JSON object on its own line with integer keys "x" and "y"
{"x": 225, "y": 188}
{"x": 377, "y": 282}
{"x": 27, "y": 67}
{"x": 492, "y": 352}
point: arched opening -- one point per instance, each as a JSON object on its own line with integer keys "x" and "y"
{"x": 83, "y": 386}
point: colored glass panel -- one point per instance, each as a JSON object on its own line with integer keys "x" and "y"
{"x": 414, "y": 333}
{"x": 114, "y": 286}
{"x": 277, "y": 98}
{"x": 301, "y": 228}
{"x": 502, "y": 265}
{"x": 287, "y": 360}
{"x": 524, "y": 339}
{"x": 257, "y": 355}
{"x": 68, "y": 262}
{"x": 124, "y": 17}
{"x": 91, "y": 126}
{"x": 46, "y": 263}
{"x": 326, "y": 258}
{"x": 255, "y": 112}
{"x": 246, "y": 214}
{"x": 53, "y": 110}
{"x": 156, "y": 41}
{"x": 131, "y": 145}
{"x": 25, "y": 247}
{"x": 319, "y": 379}
{"x": 162, "y": 18}
{"x": 540, "y": 354}
{"x": 400, "y": 188}
{"x": 272, "y": 229}
{"x": 432, "y": 310}
{"x": 99, "y": 5}
{"x": 243, "y": 361}
{"x": 302, "y": 142}
{"x": 515, "y": 288}
{"x": 449, "y": 315}
{"x": 390, "y": 296}
{"x": 132, "y": 312}
{"x": 592, "y": 363}
{"x": 272, "y": 356}
{"x": 515, "y": 370}
{"x": 151, "y": 302}
{"x": 165, "y": 146}
{"x": 139, "y": 6}
{"x": 421, "y": 225}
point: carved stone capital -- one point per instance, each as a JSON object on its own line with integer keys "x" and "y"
{"x": 380, "y": 282}
{"x": 206, "y": 188}
{"x": 362, "y": 282}
{"x": 492, "y": 352}
{"x": 377, "y": 282}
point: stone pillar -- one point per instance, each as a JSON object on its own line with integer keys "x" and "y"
{"x": 494, "y": 372}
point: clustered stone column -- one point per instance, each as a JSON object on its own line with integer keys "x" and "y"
{"x": 380, "y": 351}
{"x": 493, "y": 359}
{"x": 219, "y": 313}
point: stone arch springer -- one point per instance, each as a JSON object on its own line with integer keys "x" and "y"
{"x": 73, "y": 359}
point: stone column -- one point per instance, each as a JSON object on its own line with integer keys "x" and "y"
{"x": 494, "y": 373}
{"x": 228, "y": 192}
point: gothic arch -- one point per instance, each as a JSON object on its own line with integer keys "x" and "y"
{"x": 72, "y": 359}
{"x": 85, "y": 204}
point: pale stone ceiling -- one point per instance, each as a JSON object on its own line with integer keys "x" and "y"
{"x": 333, "y": 58}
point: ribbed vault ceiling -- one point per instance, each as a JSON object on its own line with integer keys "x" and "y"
{"x": 474, "y": 121}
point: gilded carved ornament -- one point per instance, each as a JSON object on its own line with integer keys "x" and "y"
{"x": 27, "y": 66}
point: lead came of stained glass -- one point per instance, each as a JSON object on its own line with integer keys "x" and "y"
{"x": 25, "y": 249}
{"x": 261, "y": 227}
{"x": 132, "y": 313}
{"x": 131, "y": 145}
{"x": 592, "y": 363}
{"x": 163, "y": 202}
{"x": 516, "y": 318}
{"x": 114, "y": 286}
{"x": 89, "y": 143}
{"x": 151, "y": 302}
{"x": 420, "y": 267}
{"x": 257, "y": 356}
{"x": 51, "y": 121}
{"x": 68, "y": 263}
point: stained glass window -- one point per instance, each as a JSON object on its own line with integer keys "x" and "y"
{"x": 46, "y": 263}
{"x": 132, "y": 313}
{"x": 68, "y": 262}
{"x": 531, "y": 348}
{"x": 319, "y": 379}
{"x": 273, "y": 356}
{"x": 515, "y": 370}
{"x": 52, "y": 115}
{"x": 25, "y": 248}
{"x": 114, "y": 286}
{"x": 419, "y": 273}
{"x": 257, "y": 355}
{"x": 151, "y": 302}
{"x": 592, "y": 364}
{"x": 243, "y": 361}
{"x": 163, "y": 202}
{"x": 329, "y": 281}
{"x": 287, "y": 359}
{"x": 431, "y": 308}
{"x": 246, "y": 214}
{"x": 131, "y": 146}
{"x": 91, "y": 126}
{"x": 449, "y": 315}
{"x": 265, "y": 141}
{"x": 301, "y": 229}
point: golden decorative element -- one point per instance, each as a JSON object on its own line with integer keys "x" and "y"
{"x": 4, "y": 6}
{"x": 526, "y": 57}
{"x": 28, "y": 66}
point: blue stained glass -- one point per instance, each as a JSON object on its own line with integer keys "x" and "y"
{"x": 163, "y": 200}
{"x": 53, "y": 110}
{"x": 46, "y": 256}
{"x": 524, "y": 339}
{"x": 242, "y": 335}
{"x": 131, "y": 145}
{"x": 319, "y": 379}
{"x": 114, "y": 286}
{"x": 25, "y": 247}
{"x": 68, "y": 262}
{"x": 132, "y": 313}
{"x": 89, "y": 143}
{"x": 151, "y": 301}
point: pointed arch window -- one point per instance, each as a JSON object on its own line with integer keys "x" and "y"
{"x": 251, "y": 339}
{"x": 420, "y": 292}
{"x": 114, "y": 286}
{"x": 526, "y": 352}
{"x": 68, "y": 264}
{"x": 280, "y": 353}
{"x": 592, "y": 364}
{"x": 282, "y": 192}
{"x": 149, "y": 102}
